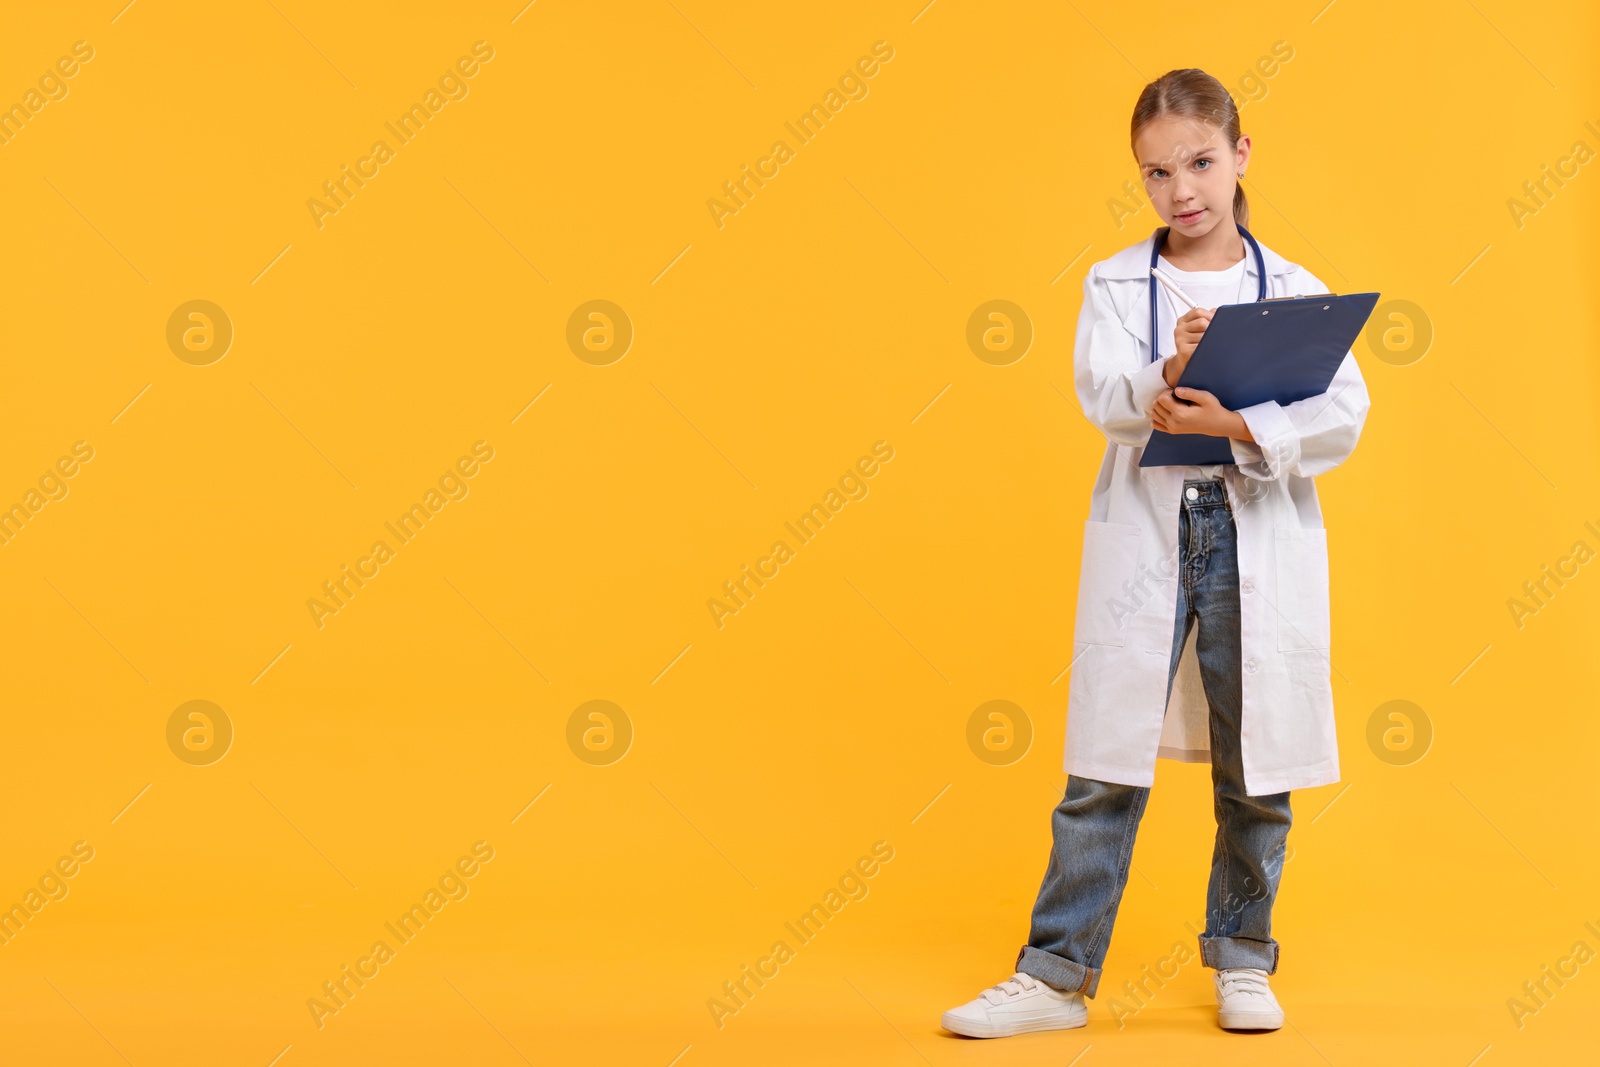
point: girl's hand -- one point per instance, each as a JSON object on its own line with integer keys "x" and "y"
{"x": 1206, "y": 415}
{"x": 1191, "y": 327}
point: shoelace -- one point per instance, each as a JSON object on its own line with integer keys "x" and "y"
{"x": 1014, "y": 986}
{"x": 1248, "y": 980}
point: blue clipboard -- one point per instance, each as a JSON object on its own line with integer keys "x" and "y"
{"x": 1282, "y": 348}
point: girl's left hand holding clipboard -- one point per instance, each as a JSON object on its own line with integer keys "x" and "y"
{"x": 1186, "y": 410}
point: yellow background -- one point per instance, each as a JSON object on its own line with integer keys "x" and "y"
{"x": 768, "y": 355}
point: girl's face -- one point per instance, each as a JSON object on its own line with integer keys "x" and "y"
{"x": 1190, "y": 172}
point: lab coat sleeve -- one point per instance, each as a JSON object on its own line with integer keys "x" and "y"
{"x": 1115, "y": 388}
{"x": 1308, "y": 437}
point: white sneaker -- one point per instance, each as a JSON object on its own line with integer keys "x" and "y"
{"x": 1245, "y": 1001}
{"x": 1019, "y": 1005}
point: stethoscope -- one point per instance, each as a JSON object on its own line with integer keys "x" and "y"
{"x": 1155, "y": 256}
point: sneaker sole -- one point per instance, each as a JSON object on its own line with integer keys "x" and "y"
{"x": 970, "y": 1028}
{"x": 1250, "y": 1020}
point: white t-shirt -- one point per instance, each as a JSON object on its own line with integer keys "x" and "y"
{"x": 1209, "y": 289}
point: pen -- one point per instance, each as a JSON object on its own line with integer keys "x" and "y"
{"x": 1172, "y": 287}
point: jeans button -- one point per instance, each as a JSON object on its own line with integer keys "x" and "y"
{"x": 1191, "y": 492}
{"x": 1250, "y": 665}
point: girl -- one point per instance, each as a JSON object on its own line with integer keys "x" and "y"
{"x": 1213, "y": 578}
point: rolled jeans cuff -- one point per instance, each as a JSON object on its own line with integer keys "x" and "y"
{"x": 1219, "y": 953}
{"x": 1064, "y": 974}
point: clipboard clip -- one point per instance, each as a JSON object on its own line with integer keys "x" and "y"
{"x": 1298, "y": 296}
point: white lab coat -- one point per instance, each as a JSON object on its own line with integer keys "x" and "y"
{"x": 1119, "y": 720}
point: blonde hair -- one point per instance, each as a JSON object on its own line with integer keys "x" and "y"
{"x": 1192, "y": 93}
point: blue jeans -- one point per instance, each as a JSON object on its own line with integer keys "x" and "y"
{"x": 1095, "y": 823}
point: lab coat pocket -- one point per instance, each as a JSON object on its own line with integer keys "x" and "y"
{"x": 1110, "y": 558}
{"x": 1302, "y": 581}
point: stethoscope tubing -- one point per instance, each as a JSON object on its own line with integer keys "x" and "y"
{"x": 1155, "y": 256}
